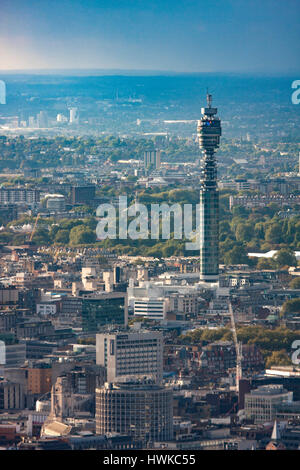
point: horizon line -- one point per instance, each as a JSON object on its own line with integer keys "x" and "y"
{"x": 126, "y": 71}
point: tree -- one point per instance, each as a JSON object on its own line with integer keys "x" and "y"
{"x": 295, "y": 283}
{"x": 225, "y": 226}
{"x": 81, "y": 235}
{"x": 19, "y": 239}
{"x": 62, "y": 236}
{"x": 237, "y": 255}
{"x": 244, "y": 232}
{"x": 240, "y": 211}
{"x": 285, "y": 257}
{"x": 259, "y": 230}
{"x": 213, "y": 335}
{"x": 41, "y": 236}
{"x": 5, "y": 237}
{"x": 278, "y": 358}
{"x": 266, "y": 263}
{"x": 291, "y": 307}
{"x": 274, "y": 233}
{"x": 155, "y": 251}
{"x": 83, "y": 208}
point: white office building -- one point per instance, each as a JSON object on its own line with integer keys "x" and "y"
{"x": 154, "y": 309}
{"x": 261, "y": 404}
{"x": 74, "y": 117}
{"x": 130, "y": 355}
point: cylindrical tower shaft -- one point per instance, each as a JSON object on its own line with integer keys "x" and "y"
{"x": 209, "y": 132}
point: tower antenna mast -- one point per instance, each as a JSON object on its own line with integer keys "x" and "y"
{"x": 208, "y": 98}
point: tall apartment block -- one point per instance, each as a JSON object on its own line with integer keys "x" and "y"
{"x": 74, "y": 117}
{"x": 132, "y": 401}
{"x": 42, "y": 119}
{"x": 209, "y": 132}
{"x": 11, "y": 395}
{"x": 131, "y": 356}
{"x": 19, "y": 196}
{"x": 152, "y": 159}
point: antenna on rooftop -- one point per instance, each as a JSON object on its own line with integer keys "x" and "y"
{"x": 208, "y": 98}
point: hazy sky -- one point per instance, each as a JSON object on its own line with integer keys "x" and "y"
{"x": 175, "y": 35}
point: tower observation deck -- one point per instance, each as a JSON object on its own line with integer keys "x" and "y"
{"x": 209, "y": 133}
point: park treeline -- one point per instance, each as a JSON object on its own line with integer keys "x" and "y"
{"x": 18, "y": 152}
{"x": 42, "y": 152}
{"x": 242, "y": 230}
{"x": 275, "y": 344}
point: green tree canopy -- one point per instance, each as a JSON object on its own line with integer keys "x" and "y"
{"x": 295, "y": 283}
{"x": 291, "y": 307}
{"x": 237, "y": 255}
{"x": 274, "y": 233}
{"x": 278, "y": 358}
{"x": 285, "y": 257}
{"x": 62, "y": 236}
{"x": 244, "y": 232}
{"x": 80, "y": 235}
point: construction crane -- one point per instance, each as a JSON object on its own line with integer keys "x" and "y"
{"x": 238, "y": 348}
{"x": 34, "y": 228}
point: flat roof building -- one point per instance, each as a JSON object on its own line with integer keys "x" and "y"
{"x": 143, "y": 411}
{"x": 106, "y": 309}
{"x": 127, "y": 355}
{"x": 261, "y": 404}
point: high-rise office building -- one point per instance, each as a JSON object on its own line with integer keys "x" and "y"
{"x": 42, "y": 120}
{"x": 32, "y": 121}
{"x": 117, "y": 274}
{"x": 131, "y": 355}
{"x": 74, "y": 117}
{"x": 2, "y": 92}
{"x": 132, "y": 401}
{"x": 209, "y": 132}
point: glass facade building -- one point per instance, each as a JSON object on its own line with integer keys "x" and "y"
{"x": 108, "y": 309}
